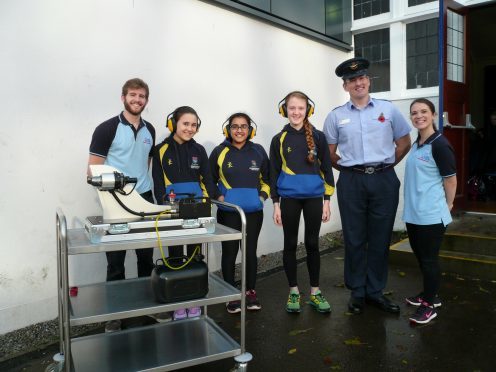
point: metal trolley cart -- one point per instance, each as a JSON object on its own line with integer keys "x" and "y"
{"x": 157, "y": 347}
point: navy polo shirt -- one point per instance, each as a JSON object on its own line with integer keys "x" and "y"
{"x": 126, "y": 148}
{"x": 426, "y": 166}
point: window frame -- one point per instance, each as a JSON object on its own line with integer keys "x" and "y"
{"x": 281, "y": 22}
{"x": 436, "y": 35}
{"x": 372, "y": 15}
{"x": 372, "y": 68}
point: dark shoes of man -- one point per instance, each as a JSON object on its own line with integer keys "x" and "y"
{"x": 355, "y": 305}
{"x": 384, "y": 304}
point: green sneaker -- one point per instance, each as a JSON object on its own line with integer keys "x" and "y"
{"x": 293, "y": 305}
{"x": 319, "y": 303}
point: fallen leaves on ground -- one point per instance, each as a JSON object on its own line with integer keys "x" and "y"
{"x": 339, "y": 258}
{"x": 401, "y": 273}
{"x": 388, "y": 293}
{"x": 483, "y": 290}
{"x": 401, "y": 347}
{"x": 292, "y": 351}
{"x": 299, "y": 331}
{"x": 354, "y": 341}
{"x": 339, "y": 285}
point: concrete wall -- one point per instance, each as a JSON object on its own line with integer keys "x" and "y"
{"x": 63, "y": 65}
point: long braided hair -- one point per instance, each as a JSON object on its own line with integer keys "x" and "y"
{"x": 307, "y": 126}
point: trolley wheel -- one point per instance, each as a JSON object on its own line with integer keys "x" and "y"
{"x": 55, "y": 367}
{"x": 242, "y": 362}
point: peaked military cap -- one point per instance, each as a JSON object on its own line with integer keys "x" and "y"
{"x": 352, "y": 68}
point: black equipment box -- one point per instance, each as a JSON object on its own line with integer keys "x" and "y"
{"x": 188, "y": 283}
{"x": 195, "y": 208}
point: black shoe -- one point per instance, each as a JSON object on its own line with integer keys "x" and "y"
{"x": 384, "y": 304}
{"x": 355, "y": 305}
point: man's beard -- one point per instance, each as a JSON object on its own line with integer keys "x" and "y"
{"x": 128, "y": 108}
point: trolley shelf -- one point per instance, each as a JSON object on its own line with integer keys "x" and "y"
{"x": 134, "y": 297}
{"x": 162, "y": 347}
{"x": 78, "y": 241}
{"x": 157, "y": 347}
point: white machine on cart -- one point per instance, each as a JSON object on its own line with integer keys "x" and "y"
{"x": 130, "y": 223}
{"x": 127, "y": 216}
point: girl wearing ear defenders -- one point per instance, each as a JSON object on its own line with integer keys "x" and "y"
{"x": 181, "y": 164}
{"x": 301, "y": 180}
{"x": 240, "y": 168}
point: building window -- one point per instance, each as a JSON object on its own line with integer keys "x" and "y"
{"x": 325, "y": 20}
{"x": 418, "y": 2}
{"x": 455, "y": 47}
{"x": 374, "y": 46}
{"x": 422, "y": 54}
{"x": 369, "y": 8}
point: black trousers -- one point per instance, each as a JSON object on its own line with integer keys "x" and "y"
{"x": 230, "y": 248}
{"x": 426, "y": 241}
{"x": 115, "y": 260}
{"x": 367, "y": 204}
{"x": 312, "y": 214}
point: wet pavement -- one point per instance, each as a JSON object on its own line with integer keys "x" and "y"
{"x": 461, "y": 338}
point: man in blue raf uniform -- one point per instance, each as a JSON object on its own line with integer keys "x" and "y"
{"x": 372, "y": 137}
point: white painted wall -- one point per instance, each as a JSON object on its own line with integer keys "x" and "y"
{"x": 63, "y": 64}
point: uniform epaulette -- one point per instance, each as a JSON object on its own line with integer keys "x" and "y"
{"x": 335, "y": 108}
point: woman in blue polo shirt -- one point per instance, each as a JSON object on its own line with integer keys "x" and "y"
{"x": 240, "y": 168}
{"x": 430, "y": 186}
{"x": 301, "y": 181}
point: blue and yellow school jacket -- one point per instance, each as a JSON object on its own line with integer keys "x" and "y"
{"x": 183, "y": 168}
{"x": 291, "y": 176}
{"x": 241, "y": 175}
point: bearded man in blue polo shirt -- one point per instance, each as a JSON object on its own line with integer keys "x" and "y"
{"x": 126, "y": 142}
{"x": 372, "y": 137}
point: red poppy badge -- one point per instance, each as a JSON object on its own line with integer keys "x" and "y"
{"x": 381, "y": 118}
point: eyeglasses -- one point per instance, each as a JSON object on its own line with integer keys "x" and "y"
{"x": 242, "y": 127}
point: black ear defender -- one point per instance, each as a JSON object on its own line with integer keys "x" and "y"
{"x": 283, "y": 108}
{"x": 172, "y": 124}
{"x": 226, "y": 127}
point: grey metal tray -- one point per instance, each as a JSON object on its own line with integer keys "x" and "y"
{"x": 78, "y": 241}
{"x": 162, "y": 347}
{"x": 134, "y": 297}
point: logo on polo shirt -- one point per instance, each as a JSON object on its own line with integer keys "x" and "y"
{"x": 424, "y": 157}
{"x": 229, "y": 165}
{"x": 147, "y": 141}
{"x": 254, "y": 166}
{"x": 194, "y": 163}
